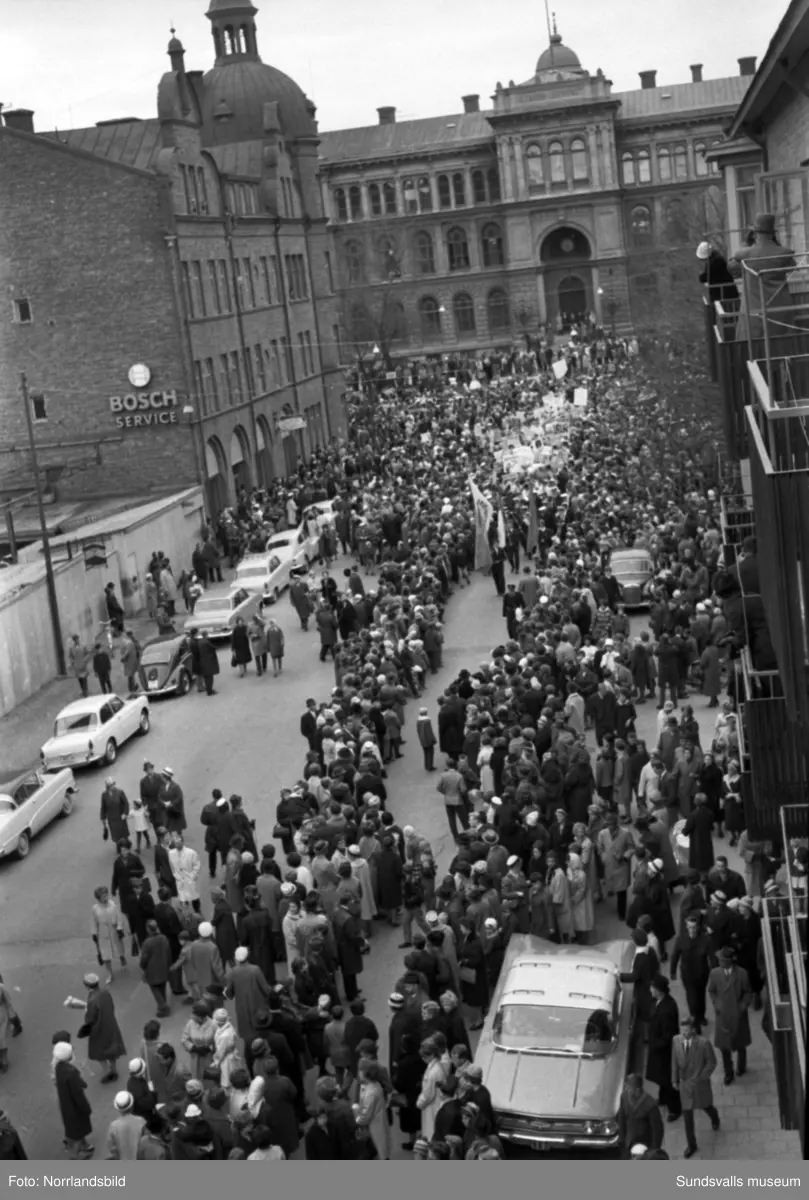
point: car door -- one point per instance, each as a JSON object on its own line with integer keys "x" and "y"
{"x": 124, "y": 719}
{"x": 30, "y": 798}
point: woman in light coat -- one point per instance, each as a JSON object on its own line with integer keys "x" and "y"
{"x": 258, "y": 643}
{"x": 107, "y": 931}
{"x": 226, "y": 1054}
{"x": 581, "y": 899}
{"x": 371, "y": 1110}
{"x": 588, "y": 855}
{"x": 430, "y": 1096}
{"x": 185, "y": 868}
{"x": 8, "y": 1021}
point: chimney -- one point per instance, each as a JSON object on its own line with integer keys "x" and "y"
{"x": 647, "y": 79}
{"x": 471, "y": 103}
{"x": 696, "y": 72}
{"x": 387, "y": 116}
{"x": 19, "y": 118}
{"x": 747, "y": 66}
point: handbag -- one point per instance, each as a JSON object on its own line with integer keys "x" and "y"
{"x": 467, "y": 974}
{"x": 134, "y": 946}
{"x": 16, "y": 1026}
{"x": 106, "y": 834}
{"x": 233, "y": 660}
{"x": 280, "y": 831}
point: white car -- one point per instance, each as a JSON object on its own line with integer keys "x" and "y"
{"x": 322, "y": 512}
{"x": 217, "y": 614}
{"x": 29, "y": 803}
{"x": 264, "y": 575}
{"x": 297, "y": 546}
{"x": 90, "y": 730}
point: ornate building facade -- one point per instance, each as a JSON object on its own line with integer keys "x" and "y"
{"x": 465, "y": 231}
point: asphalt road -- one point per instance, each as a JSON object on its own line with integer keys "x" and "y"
{"x": 245, "y": 739}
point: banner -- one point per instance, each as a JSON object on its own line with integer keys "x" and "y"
{"x": 560, "y": 368}
{"x": 484, "y": 511}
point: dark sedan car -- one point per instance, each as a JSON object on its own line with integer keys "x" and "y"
{"x": 165, "y": 665}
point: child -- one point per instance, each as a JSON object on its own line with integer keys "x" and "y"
{"x": 426, "y": 736}
{"x": 138, "y": 824}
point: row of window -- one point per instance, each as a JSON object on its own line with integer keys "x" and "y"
{"x": 195, "y": 189}
{"x": 556, "y": 163}
{"x": 297, "y": 277}
{"x": 389, "y": 259}
{"x": 672, "y": 164}
{"x": 431, "y": 317}
{"x": 231, "y": 378}
{"x": 209, "y": 290}
{"x": 681, "y": 220}
{"x": 417, "y": 194}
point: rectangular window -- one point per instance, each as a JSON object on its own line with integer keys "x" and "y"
{"x": 329, "y": 271}
{"x": 265, "y": 271}
{"x": 210, "y": 383}
{"x": 38, "y": 407}
{"x": 199, "y": 286}
{"x": 261, "y": 370}
{"x": 186, "y": 187}
{"x": 248, "y": 287}
{"x": 199, "y": 384}
{"x": 304, "y": 279}
{"x": 224, "y": 378}
{"x": 203, "y": 190}
{"x": 275, "y": 364}
{"x": 214, "y": 281}
{"x": 22, "y": 312}
{"x": 292, "y": 291}
{"x": 287, "y": 361}
{"x": 189, "y": 291}
{"x": 277, "y": 280}
{"x": 302, "y": 352}
{"x": 191, "y": 175}
{"x": 224, "y": 285}
{"x": 335, "y": 333}
{"x": 307, "y": 339}
{"x": 236, "y": 375}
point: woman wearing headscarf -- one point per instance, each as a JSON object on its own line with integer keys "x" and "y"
{"x": 371, "y": 1109}
{"x": 107, "y": 931}
{"x": 581, "y": 900}
{"x": 198, "y": 1039}
{"x": 74, "y": 1106}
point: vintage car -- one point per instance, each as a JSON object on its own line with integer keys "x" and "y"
{"x": 217, "y": 614}
{"x": 298, "y": 546}
{"x": 322, "y": 512}
{"x": 634, "y": 571}
{"x": 264, "y": 575}
{"x": 558, "y": 1042}
{"x": 90, "y": 730}
{"x": 29, "y": 803}
{"x": 165, "y": 666}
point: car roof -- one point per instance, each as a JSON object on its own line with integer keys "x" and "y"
{"x": 634, "y": 552}
{"x": 86, "y": 704}
{"x": 572, "y": 983}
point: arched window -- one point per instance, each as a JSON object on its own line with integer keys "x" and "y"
{"x": 425, "y": 195}
{"x": 627, "y": 169}
{"x": 491, "y": 240}
{"x": 641, "y": 225}
{"x": 699, "y": 160}
{"x": 556, "y": 153}
{"x": 493, "y": 179}
{"x": 375, "y": 198}
{"x": 362, "y": 326}
{"x": 425, "y": 255}
{"x": 411, "y": 199}
{"x": 533, "y": 155}
{"x": 429, "y": 316}
{"x": 578, "y": 156}
{"x": 464, "y": 313}
{"x": 680, "y": 162}
{"x": 389, "y": 195}
{"x": 457, "y": 250}
{"x": 479, "y": 187}
{"x": 664, "y": 165}
{"x": 444, "y": 192}
{"x": 459, "y": 189}
{"x": 676, "y": 224}
{"x": 497, "y": 309}
{"x": 355, "y": 202}
{"x": 355, "y": 262}
{"x": 387, "y": 260}
{"x": 644, "y": 167}
{"x": 342, "y": 206}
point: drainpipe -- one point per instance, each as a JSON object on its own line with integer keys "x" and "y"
{"x": 172, "y": 241}
{"x": 228, "y": 222}
{"x": 287, "y": 324}
{"x": 307, "y": 225}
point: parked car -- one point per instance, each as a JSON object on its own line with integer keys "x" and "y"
{"x": 217, "y": 614}
{"x": 92, "y": 729}
{"x": 29, "y": 803}
{"x": 165, "y": 665}
{"x": 322, "y": 512}
{"x": 264, "y": 575}
{"x": 558, "y": 1043}
{"x": 297, "y": 546}
{"x": 634, "y": 571}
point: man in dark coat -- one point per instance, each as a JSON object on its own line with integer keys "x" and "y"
{"x": 208, "y": 663}
{"x": 105, "y": 1043}
{"x": 661, "y": 1029}
{"x": 698, "y": 829}
{"x": 691, "y": 954}
{"x": 639, "y": 1119}
{"x": 256, "y": 934}
{"x": 402, "y": 1022}
{"x": 11, "y": 1147}
{"x": 155, "y": 963}
{"x": 448, "y": 1119}
{"x": 126, "y": 870}
{"x": 451, "y": 727}
{"x": 729, "y": 989}
{"x": 350, "y": 945}
{"x": 74, "y": 1106}
{"x": 114, "y": 809}
{"x": 280, "y": 1095}
{"x": 326, "y": 622}
{"x": 150, "y": 788}
{"x": 171, "y": 797}
{"x": 309, "y": 724}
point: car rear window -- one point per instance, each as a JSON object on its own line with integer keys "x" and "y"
{"x": 552, "y": 1027}
{"x": 215, "y": 604}
{"x": 74, "y": 723}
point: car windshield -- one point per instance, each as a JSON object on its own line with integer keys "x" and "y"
{"x": 252, "y": 572}
{"x": 74, "y": 723}
{"x": 551, "y": 1027}
{"x": 278, "y": 543}
{"x": 632, "y": 566}
{"x": 215, "y": 604}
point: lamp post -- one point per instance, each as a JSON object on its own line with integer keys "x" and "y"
{"x": 53, "y": 603}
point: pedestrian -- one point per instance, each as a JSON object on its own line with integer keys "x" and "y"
{"x": 78, "y": 661}
{"x": 11, "y": 1147}
{"x": 729, "y": 989}
{"x": 102, "y": 667}
{"x": 698, "y": 829}
{"x": 427, "y": 738}
{"x": 130, "y": 660}
{"x": 258, "y": 643}
{"x": 693, "y": 1064}
{"x": 692, "y": 954}
{"x": 201, "y": 961}
{"x": 326, "y": 622}
{"x": 661, "y": 1029}
{"x": 350, "y": 946}
{"x": 150, "y": 589}
{"x": 246, "y": 986}
{"x": 150, "y": 793}
{"x": 107, "y": 931}
{"x": 114, "y": 812}
{"x": 185, "y": 867}
{"x": 105, "y": 1043}
{"x": 143, "y": 1098}
{"x": 373, "y": 1129}
{"x": 171, "y": 797}
{"x": 275, "y": 645}
{"x": 199, "y": 1039}
{"x": 208, "y": 663}
{"x": 124, "y": 1134}
{"x": 155, "y": 965}
{"x": 10, "y": 1024}
{"x": 452, "y": 787}
{"x": 639, "y": 1119}
{"x": 138, "y": 824}
{"x": 240, "y": 653}
{"x": 74, "y": 1107}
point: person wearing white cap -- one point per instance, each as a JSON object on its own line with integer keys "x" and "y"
{"x": 185, "y": 867}
{"x": 639, "y": 1121}
{"x": 105, "y": 1042}
{"x": 250, "y": 992}
{"x": 125, "y": 1130}
{"x": 74, "y": 1107}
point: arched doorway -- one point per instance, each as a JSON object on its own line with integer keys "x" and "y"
{"x": 216, "y": 480}
{"x": 566, "y": 256}
{"x": 264, "y": 461}
{"x": 240, "y": 458}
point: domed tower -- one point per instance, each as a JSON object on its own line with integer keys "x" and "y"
{"x": 558, "y": 61}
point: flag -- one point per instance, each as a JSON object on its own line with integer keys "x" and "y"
{"x": 484, "y": 511}
{"x": 533, "y": 523}
{"x": 501, "y": 529}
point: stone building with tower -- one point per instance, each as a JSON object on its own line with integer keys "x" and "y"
{"x": 168, "y": 286}
{"x": 466, "y": 231}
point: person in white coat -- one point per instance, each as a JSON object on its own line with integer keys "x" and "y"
{"x": 185, "y": 866}
{"x": 430, "y": 1097}
{"x": 226, "y": 1054}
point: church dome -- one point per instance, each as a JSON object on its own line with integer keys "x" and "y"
{"x": 245, "y": 87}
{"x": 558, "y": 57}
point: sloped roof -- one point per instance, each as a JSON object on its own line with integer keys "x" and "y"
{"x": 241, "y": 158}
{"x": 133, "y": 143}
{"x": 684, "y": 97}
{"x": 404, "y": 137}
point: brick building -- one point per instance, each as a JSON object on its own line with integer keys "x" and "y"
{"x": 464, "y": 231}
{"x": 168, "y": 284}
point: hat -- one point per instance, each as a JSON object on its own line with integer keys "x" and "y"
{"x": 288, "y": 889}
{"x": 205, "y": 929}
{"x": 247, "y": 857}
{"x": 490, "y": 923}
{"x": 704, "y": 250}
{"x": 764, "y": 223}
{"x": 720, "y": 896}
{"x": 63, "y": 1052}
{"x": 221, "y": 1016}
{"x": 324, "y": 1001}
{"x": 700, "y": 607}
{"x": 609, "y": 642}
{"x": 123, "y": 1101}
{"x": 431, "y": 918}
{"x": 355, "y": 851}
{"x": 168, "y": 771}
{"x": 639, "y": 1150}
{"x": 137, "y": 1067}
{"x": 726, "y": 955}
{"x": 109, "y": 781}
{"x": 91, "y": 980}
{"x": 200, "y": 1009}
{"x": 396, "y": 1000}
{"x": 512, "y": 860}
{"x": 221, "y": 802}
{"x": 475, "y": 1073}
{"x": 657, "y": 863}
{"x": 193, "y": 1110}
{"x": 194, "y": 1088}
{"x": 489, "y": 836}
{"x": 241, "y": 954}
{"x": 770, "y": 888}
{"x": 746, "y": 902}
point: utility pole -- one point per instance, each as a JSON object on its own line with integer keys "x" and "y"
{"x": 46, "y": 546}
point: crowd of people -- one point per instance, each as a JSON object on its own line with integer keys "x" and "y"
{"x": 545, "y": 831}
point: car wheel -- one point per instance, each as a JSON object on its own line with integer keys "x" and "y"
{"x": 111, "y": 752}
{"x": 67, "y": 805}
{"x": 183, "y": 683}
{"x": 145, "y": 722}
{"x": 23, "y": 845}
